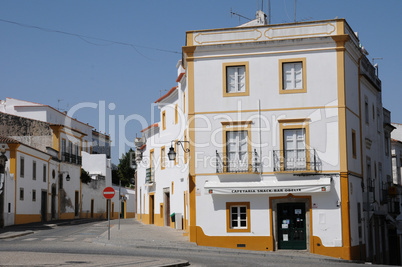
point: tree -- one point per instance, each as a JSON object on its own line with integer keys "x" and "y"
{"x": 85, "y": 178}
{"x": 124, "y": 170}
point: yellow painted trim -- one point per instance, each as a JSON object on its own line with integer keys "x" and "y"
{"x": 259, "y": 243}
{"x": 190, "y": 39}
{"x": 56, "y": 136}
{"x": 225, "y": 123}
{"x": 184, "y": 102}
{"x": 42, "y": 159}
{"x": 176, "y": 149}
{"x": 245, "y": 127}
{"x": 224, "y": 78}
{"x": 163, "y": 157}
{"x": 304, "y": 70}
{"x": 185, "y": 146}
{"x": 300, "y": 35}
{"x": 258, "y": 36}
{"x": 295, "y": 124}
{"x": 287, "y": 52}
{"x": 352, "y": 253}
{"x": 191, "y": 120}
{"x": 264, "y": 110}
{"x": 228, "y": 206}
{"x": 172, "y": 187}
{"x": 13, "y": 170}
{"x": 152, "y": 159}
{"x": 176, "y": 114}
{"x": 27, "y": 218}
{"x": 345, "y": 212}
{"x": 67, "y": 216}
{"x": 164, "y": 120}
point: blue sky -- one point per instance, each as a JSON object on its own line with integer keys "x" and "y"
{"x": 63, "y": 70}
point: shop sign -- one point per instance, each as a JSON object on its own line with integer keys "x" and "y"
{"x": 276, "y": 190}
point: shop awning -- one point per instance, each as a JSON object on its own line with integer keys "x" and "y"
{"x": 270, "y": 187}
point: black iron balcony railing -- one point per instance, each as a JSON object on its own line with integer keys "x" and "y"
{"x": 245, "y": 165}
{"x": 295, "y": 160}
{"x": 67, "y": 157}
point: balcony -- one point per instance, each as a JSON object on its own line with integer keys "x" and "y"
{"x": 71, "y": 158}
{"x": 150, "y": 176}
{"x": 295, "y": 160}
{"x": 225, "y": 165}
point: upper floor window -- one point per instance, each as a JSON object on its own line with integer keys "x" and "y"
{"x": 164, "y": 120}
{"x": 22, "y": 166}
{"x": 176, "y": 114}
{"x": 163, "y": 158}
{"x": 44, "y": 172}
{"x": 366, "y": 110}
{"x": 354, "y": 145}
{"x": 235, "y": 79}
{"x": 292, "y": 75}
{"x": 34, "y": 170}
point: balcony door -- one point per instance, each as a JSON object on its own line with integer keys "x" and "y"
{"x": 294, "y": 149}
{"x": 237, "y": 151}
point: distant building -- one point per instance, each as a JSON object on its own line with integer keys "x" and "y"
{"x": 289, "y": 144}
{"x": 64, "y": 140}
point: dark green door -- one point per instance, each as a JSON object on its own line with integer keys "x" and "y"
{"x": 291, "y": 226}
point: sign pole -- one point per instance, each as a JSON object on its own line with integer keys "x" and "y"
{"x": 119, "y": 202}
{"x": 108, "y": 218}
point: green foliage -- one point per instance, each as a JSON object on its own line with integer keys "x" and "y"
{"x": 124, "y": 171}
{"x": 85, "y": 178}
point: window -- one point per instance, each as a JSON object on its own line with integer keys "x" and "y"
{"x": 386, "y": 145}
{"x": 163, "y": 158}
{"x": 22, "y": 167}
{"x": 44, "y": 172}
{"x": 21, "y": 193}
{"x": 292, "y": 75}
{"x": 366, "y": 110}
{"x": 63, "y": 150}
{"x": 237, "y": 146}
{"x": 176, "y": 114}
{"x": 354, "y": 150}
{"x": 34, "y": 170}
{"x": 152, "y": 165}
{"x": 238, "y": 216}
{"x": 33, "y": 195}
{"x": 237, "y": 151}
{"x": 378, "y": 121}
{"x": 70, "y": 151}
{"x": 235, "y": 79}
{"x": 164, "y": 120}
{"x": 294, "y": 142}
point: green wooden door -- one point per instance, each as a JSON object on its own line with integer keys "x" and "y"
{"x": 291, "y": 226}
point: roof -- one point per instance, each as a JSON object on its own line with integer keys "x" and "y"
{"x": 180, "y": 76}
{"x": 166, "y": 95}
{"x": 8, "y": 140}
{"x": 42, "y": 105}
{"x": 149, "y": 127}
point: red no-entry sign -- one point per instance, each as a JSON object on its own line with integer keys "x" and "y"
{"x": 109, "y": 192}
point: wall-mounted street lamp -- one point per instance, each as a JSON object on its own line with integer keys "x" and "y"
{"x": 68, "y": 175}
{"x": 172, "y": 153}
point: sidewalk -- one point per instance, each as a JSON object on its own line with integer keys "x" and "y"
{"x": 138, "y": 235}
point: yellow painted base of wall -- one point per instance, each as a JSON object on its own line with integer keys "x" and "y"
{"x": 95, "y": 216}
{"x": 67, "y": 216}
{"x": 130, "y": 215}
{"x": 261, "y": 243}
{"x": 346, "y": 253}
{"x": 27, "y": 218}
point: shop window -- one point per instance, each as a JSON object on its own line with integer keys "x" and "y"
{"x": 238, "y": 216}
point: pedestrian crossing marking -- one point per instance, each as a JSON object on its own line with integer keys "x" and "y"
{"x": 49, "y": 239}
{"x": 29, "y": 239}
{"x": 69, "y": 239}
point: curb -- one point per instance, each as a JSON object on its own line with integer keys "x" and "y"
{"x": 17, "y": 234}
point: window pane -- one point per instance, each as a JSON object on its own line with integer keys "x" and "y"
{"x": 236, "y": 79}
{"x": 243, "y": 209}
{"x": 243, "y": 224}
{"x": 292, "y": 75}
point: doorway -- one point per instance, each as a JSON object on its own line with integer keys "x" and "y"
{"x": 53, "y": 201}
{"x": 291, "y": 225}
{"x": 76, "y": 207}
{"x": 151, "y": 209}
{"x": 166, "y": 204}
{"x": 92, "y": 208}
{"x": 44, "y": 206}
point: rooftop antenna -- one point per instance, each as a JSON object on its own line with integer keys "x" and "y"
{"x": 295, "y": 11}
{"x": 58, "y": 103}
{"x": 376, "y": 65}
{"x": 269, "y": 11}
{"x": 240, "y": 16}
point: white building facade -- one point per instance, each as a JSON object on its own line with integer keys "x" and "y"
{"x": 281, "y": 155}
